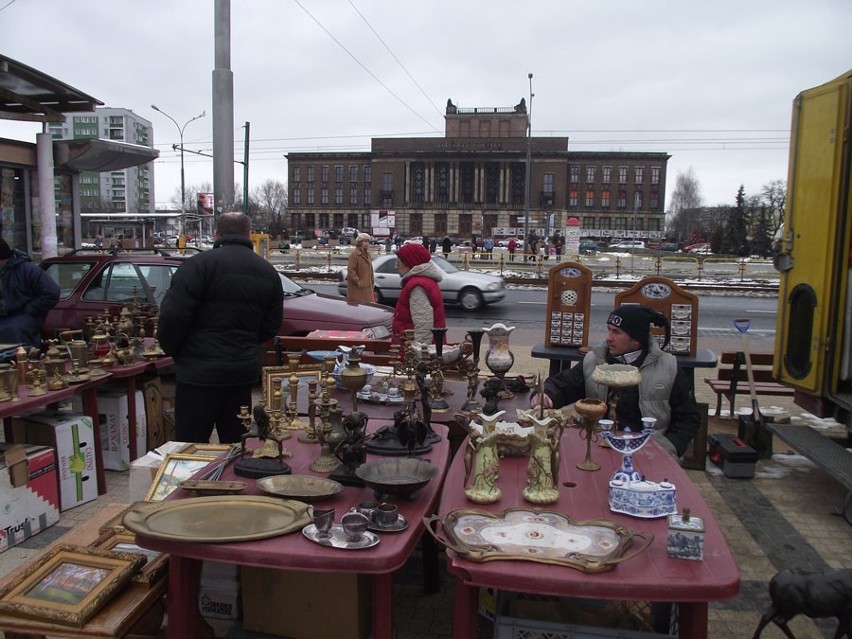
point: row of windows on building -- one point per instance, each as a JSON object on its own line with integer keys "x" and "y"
{"x": 549, "y": 178}
{"x": 591, "y": 198}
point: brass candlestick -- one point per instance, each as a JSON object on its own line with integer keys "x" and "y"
{"x": 472, "y": 405}
{"x": 326, "y": 462}
{"x": 310, "y": 435}
{"x": 293, "y": 422}
{"x": 589, "y": 411}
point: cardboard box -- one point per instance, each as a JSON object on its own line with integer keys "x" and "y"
{"x": 736, "y": 458}
{"x": 30, "y": 508}
{"x": 307, "y": 596}
{"x": 114, "y": 422}
{"x": 215, "y": 602}
{"x": 73, "y": 439}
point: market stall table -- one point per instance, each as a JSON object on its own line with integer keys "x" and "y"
{"x": 651, "y": 576}
{"x": 294, "y": 552}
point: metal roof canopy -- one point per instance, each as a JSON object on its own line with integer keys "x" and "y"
{"x": 101, "y": 155}
{"x": 30, "y": 95}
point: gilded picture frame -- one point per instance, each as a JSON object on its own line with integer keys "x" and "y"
{"x": 205, "y": 449}
{"x": 175, "y": 468}
{"x": 69, "y": 584}
{"x": 273, "y": 376}
{"x": 125, "y": 541}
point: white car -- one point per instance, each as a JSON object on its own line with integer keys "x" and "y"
{"x": 468, "y": 289}
{"x": 519, "y": 244}
{"x": 627, "y": 244}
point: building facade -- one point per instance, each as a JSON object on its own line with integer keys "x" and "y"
{"x": 127, "y": 190}
{"x": 474, "y": 182}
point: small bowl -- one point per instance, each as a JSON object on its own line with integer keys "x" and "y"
{"x": 403, "y": 476}
{"x": 369, "y": 368}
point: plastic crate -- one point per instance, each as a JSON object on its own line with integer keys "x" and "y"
{"x": 514, "y": 628}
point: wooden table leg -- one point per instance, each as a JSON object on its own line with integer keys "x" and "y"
{"x": 465, "y": 611}
{"x": 692, "y": 620}
{"x": 383, "y": 606}
{"x": 184, "y": 580}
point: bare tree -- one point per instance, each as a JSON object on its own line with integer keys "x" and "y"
{"x": 774, "y": 196}
{"x": 270, "y": 199}
{"x": 685, "y": 198}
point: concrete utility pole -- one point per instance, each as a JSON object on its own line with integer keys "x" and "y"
{"x": 528, "y": 172}
{"x": 223, "y": 111}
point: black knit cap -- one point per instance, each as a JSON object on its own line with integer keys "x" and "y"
{"x": 636, "y": 321}
{"x": 5, "y": 251}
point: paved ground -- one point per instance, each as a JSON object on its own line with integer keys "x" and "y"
{"x": 780, "y": 519}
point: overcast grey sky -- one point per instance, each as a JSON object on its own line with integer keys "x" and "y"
{"x": 712, "y": 84}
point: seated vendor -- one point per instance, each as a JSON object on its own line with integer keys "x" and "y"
{"x": 664, "y": 392}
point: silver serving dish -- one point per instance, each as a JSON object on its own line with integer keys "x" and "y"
{"x": 401, "y": 476}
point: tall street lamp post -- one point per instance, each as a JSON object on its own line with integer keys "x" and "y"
{"x": 528, "y": 173}
{"x": 180, "y": 129}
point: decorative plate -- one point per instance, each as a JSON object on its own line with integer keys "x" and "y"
{"x": 546, "y": 536}
{"x": 305, "y": 488}
{"x": 219, "y": 519}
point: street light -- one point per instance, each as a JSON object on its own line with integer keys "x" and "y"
{"x": 529, "y": 171}
{"x": 180, "y": 132}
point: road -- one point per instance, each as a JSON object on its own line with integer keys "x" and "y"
{"x": 525, "y": 308}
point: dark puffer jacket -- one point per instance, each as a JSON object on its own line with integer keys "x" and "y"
{"x": 28, "y": 294}
{"x": 221, "y": 305}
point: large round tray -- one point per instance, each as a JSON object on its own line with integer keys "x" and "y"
{"x": 547, "y": 536}
{"x": 399, "y": 476}
{"x": 219, "y": 519}
{"x": 305, "y": 488}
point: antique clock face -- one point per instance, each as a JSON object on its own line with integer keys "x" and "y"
{"x": 569, "y": 298}
{"x": 656, "y": 291}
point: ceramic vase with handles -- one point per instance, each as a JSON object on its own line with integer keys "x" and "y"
{"x": 499, "y": 358}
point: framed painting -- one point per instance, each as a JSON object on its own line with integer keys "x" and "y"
{"x": 125, "y": 541}
{"x": 175, "y": 468}
{"x": 279, "y": 377}
{"x": 208, "y": 449}
{"x": 69, "y": 584}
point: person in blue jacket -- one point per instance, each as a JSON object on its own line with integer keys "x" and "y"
{"x": 27, "y": 293}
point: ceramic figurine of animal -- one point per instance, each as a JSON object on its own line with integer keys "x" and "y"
{"x": 820, "y": 595}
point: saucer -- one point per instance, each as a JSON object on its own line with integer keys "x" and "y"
{"x": 338, "y": 538}
{"x": 400, "y": 524}
{"x": 399, "y": 399}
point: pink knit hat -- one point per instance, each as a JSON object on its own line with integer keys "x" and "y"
{"x": 413, "y": 254}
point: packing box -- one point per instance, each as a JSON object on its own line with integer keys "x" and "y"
{"x": 307, "y": 596}
{"x": 730, "y": 453}
{"x": 219, "y": 592}
{"x": 32, "y": 506}
{"x": 73, "y": 439}
{"x": 114, "y": 422}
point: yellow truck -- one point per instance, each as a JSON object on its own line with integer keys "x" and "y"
{"x": 813, "y": 343}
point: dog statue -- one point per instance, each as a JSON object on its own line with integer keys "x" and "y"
{"x": 819, "y": 595}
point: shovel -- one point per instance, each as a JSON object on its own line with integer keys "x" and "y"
{"x": 754, "y": 433}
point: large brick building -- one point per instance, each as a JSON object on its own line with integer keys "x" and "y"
{"x": 472, "y": 181}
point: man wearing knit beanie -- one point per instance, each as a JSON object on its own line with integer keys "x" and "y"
{"x": 420, "y": 306}
{"x": 27, "y": 293}
{"x": 663, "y": 393}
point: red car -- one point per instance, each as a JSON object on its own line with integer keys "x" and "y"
{"x": 93, "y": 281}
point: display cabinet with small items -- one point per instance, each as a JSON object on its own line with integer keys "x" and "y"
{"x": 569, "y": 296}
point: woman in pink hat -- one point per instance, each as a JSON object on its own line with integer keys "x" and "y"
{"x": 420, "y": 306}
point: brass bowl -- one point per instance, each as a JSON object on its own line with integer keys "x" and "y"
{"x": 305, "y": 488}
{"x": 402, "y": 476}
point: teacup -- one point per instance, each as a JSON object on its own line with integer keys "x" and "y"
{"x": 368, "y": 509}
{"x": 393, "y": 392}
{"x": 386, "y": 514}
{"x": 367, "y": 389}
{"x": 354, "y": 525}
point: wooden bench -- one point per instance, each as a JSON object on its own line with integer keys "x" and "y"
{"x": 732, "y": 378}
{"x": 825, "y": 453}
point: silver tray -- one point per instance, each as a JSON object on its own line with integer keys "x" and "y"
{"x": 546, "y": 536}
{"x": 305, "y": 488}
{"x": 219, "y": 519}
{"x": 338, "y": 538}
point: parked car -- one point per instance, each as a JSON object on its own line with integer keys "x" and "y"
{"x": 470, "y": 290}
{"x": 670, "y": 247}
{"x": 347, "y": 234}
{"x": 589, "y": 246}
{"x": 627, "y": 245}
{"x": 92, "y": 281}
{"x": 418, "y": 239}
{"x": 701, "y": 248}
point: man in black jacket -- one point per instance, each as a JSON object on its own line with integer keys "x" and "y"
{"x": 664, "y": 392}
{"x": 27, "y": 293}
{"x": 221, "y": 305}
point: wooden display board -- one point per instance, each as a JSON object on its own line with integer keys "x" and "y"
{"x": 680, "y": 308}
{"x": 569, "y": 300}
